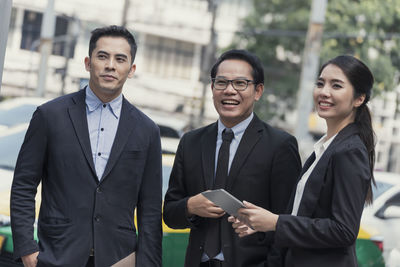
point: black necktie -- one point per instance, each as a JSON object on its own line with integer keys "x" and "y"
{"x": 213, "y": 238}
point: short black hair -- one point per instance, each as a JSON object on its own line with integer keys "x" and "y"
{"x": 253, "y": 60}
{"x": 115, "y": 31}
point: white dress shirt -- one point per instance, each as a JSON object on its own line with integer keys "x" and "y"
{"x": 319, "y": 149}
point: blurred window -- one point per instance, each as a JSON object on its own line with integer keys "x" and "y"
{"x": 31, "y": 29}
{"x": 60, "y": 47}
{"x": 168, "y": 58}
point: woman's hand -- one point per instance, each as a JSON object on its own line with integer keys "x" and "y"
{"x": 257, "y": 218}
{"x": 240, "y": 227}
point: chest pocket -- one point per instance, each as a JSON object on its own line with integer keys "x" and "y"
{"x": 132, "y": 154}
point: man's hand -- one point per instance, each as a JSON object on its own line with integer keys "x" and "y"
{"x": 30, "y": 260}
{"x": 199, "y": 205}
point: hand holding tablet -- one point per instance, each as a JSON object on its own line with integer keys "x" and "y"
{"x": 224, "y": 200}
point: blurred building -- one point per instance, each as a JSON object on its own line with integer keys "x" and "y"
{"x": 172, "y": 36}
{"x": 386, "y": 118}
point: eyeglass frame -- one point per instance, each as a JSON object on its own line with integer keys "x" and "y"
{"x": 231, "y": 82}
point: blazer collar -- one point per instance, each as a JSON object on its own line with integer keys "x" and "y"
{"x": 250, "y": 138}
{"x": 208, "y": 145}
{"x": 77, "y": 113}
{"x": 128, "y": 121}
{"x": 315, "y": 181}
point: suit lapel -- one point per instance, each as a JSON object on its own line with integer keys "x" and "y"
{"x": 208, "y": 145}
{"x": 249, "y": 139}
{"x": 127, "y": 123}
{"x": 307, "y": 165}
{"x": 77, "y": 113}
{"x": 317, "y": 177}
{"x": 314, "y": 184}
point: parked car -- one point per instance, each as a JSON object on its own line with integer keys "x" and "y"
{"x": 18, "y": 110}
{"x": 384, "y": 214}
{"x": 369, "y": 247}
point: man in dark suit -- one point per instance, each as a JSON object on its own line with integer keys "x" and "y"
{"x": 261, "y": 165}
{"x": 97, "y": 158}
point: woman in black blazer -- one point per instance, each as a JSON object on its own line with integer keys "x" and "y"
{"x": 336, "y": 180}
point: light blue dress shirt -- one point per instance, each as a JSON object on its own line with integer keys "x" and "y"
{"x": 238, "y": 131}
{"x": 103, "y": 119}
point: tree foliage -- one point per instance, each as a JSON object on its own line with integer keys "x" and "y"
{"x": 276, "y": 29}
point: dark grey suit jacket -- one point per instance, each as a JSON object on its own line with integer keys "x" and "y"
{"x": 326, "y": 227}
{"x": 77, "y": 211}
{"x": 263, "y": 171}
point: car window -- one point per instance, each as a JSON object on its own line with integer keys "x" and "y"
{"x": 166, "y": 171}
{"x": 166, "y": 131}
{"x": 9, "y": 148}
{"x": 380, "y": 188}
{"x": 17, "y": 115}
{"x": 394, "y": 200}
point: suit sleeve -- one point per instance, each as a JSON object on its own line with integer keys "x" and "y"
{"x": 175, "y": 202}
{"x": 149, "y": 252}
{"x": 351, "y": 176}
{"x": 286, "y": 168}
{"x": 27, "y": 176}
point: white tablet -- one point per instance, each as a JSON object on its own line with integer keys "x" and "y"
{"x": 224, "y": 200}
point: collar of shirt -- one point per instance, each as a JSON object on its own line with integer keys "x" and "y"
{"x": 238, "y": 129}
{"x": 322, "y": 145}
{"x": 93, "y": 103}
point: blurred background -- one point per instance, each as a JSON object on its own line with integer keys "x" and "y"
{"x": 178, "y": 41}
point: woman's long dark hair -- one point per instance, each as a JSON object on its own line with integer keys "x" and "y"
{"x": 362, "y": 80}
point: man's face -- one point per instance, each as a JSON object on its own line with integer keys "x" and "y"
{"x": 235, "y": 106}
{"x": 109, "y": 66}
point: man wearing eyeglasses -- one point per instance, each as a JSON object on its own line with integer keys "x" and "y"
{"x": 239, "y": 153}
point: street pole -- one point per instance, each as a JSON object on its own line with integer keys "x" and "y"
{"x": 5, "y": 14}
{"x": 308, "y": 73}
{"x": 70, "y": 41}
{"x": 46, "y": 41}
{"x": 209, "y": 57}
{"x": 125, "y": 13}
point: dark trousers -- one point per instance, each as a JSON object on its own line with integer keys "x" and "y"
{"x": 211, "y": 263}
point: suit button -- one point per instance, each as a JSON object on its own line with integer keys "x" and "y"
{"x": 98, "y": 190}
{"x": 97, "y": 218}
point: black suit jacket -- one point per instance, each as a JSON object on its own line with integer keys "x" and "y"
{"x": 77, "y": 211}
{"x": 263, "y": 171}
{"x": 326, "y": 227}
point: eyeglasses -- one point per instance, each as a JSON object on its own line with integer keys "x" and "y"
{"x": 238, "y": 84}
